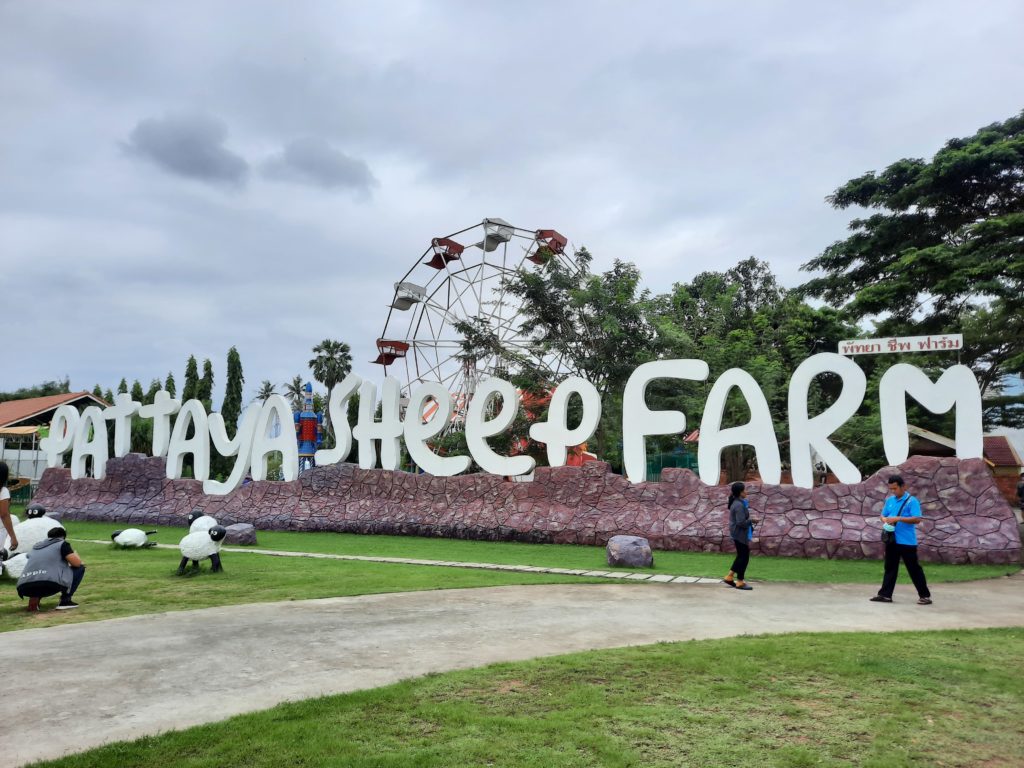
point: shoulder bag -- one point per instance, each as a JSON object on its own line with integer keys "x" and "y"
{"x": 889, "y": 537}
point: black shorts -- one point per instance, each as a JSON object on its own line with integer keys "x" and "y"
{"x": 39, "y": 589}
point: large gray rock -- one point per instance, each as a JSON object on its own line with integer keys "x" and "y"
{"x": 630, "y": 552}
{"x": 241, "y": 533}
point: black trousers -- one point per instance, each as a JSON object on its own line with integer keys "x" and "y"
{"x": 46, "y": 588}
{"x": 739, "y": 565}
{"x": 908, "y": 553}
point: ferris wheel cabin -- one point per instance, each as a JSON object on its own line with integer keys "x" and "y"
{"x": 445, "y": 250}
{"x": 389, "y": 351}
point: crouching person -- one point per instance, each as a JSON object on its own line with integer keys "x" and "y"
{"x": 52, "y": 567}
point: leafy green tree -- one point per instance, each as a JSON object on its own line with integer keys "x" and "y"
{"x": 154, "y": 387}
{"x": 231, "y": 408}
{"x": 942, "y": 250}
{"x": 191, "y": 388}
{"x": 169, "y": 386}
{"x": 740, "y": 318}
{"x": 332, "y": 362}
{"x": 266, "y": 390}
{"x": 595, "y": 325}
{"x": 137, "y": 393}
{"x": 108, "y": 396}
{"x": 204, "y": 390}
{"x": 294, "y": 392}
{"x": 40, "y": 390}
{"x": 123, "y": 386}
{"x": 97, "y": 392}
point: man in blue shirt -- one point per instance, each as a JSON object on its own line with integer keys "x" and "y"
{"x": 902, "y": 514}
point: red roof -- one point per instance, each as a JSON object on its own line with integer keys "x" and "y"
{"x": 13, "y": 412}
{"x": 999, "y": 451}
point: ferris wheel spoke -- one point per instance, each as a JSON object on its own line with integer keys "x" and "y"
{"x": 473, "y": 289}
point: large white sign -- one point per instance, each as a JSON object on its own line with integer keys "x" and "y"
{"x": 85, "y": 434}
{"x": 946, "y": 342}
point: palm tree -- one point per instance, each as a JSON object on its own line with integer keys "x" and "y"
{"x": 332, "y": 363}
{"x": 293, "y": 391}
{"x": 267, "y": 388}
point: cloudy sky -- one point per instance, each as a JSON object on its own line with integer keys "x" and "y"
{"x": 177, "y": 178}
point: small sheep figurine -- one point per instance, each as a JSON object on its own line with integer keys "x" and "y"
{"x": 132, "y": 538}
{"x": 4, "y": 538}
{"x": 15, "y": 566}
{"x": 203, "y": 541}
{"x": 34, "y": 530}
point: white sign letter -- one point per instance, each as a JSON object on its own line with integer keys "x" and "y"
{"x": 478, "y": 430}
{"x": 758, "y": 432}
{"x": 164, "y": 406}
{"x": 275, "y": 411}
{"x": 639, "y": 421}
{"x": 191, "y": 413}
{"x": 418, "y": 431}
{"x": 955, "y": 387}
{"x": 121, "y": 413}
{"x": 388, "y": 430}
{"x": 240, "y": 445}
{"x": 92, "y": 421}
{"x": 807, "y": 435}
{"x": 338, "y": 409}
{"x": 62, "y": 435}
{"x": 555, "y": 432}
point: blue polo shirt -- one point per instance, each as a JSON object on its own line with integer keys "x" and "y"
{"x": 905, "y": 532}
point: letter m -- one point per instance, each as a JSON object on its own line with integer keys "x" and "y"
{"x": 956, "y": 388}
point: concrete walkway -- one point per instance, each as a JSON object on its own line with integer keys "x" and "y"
{"x": 124, "y": 678}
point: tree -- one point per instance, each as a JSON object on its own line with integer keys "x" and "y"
{"x": 97, "y": 392}
{"x": 267, "y": 388}
{"x": 231, "y": 408}
{"x": 740, "y": 318}
{"x": 596, "y": 325}
{"x": 154, "y": 387}
{"x": 944, "y": 250}
{"x": 169, "y": 385}
{"x": 331, "y": 363}
{"x": 137, "y": 393}
{"x": 108, "y": 396}
{"x": 188, "y": 392}
{"x": 293, "y": 390}
{"x": 123, "y": 386}
{"x": 40, "y": 390}
{"x": 204, "y": 390}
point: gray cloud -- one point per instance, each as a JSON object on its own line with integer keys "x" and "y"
{"x": 314, "y": 161}
{"x": 680, "y": 136}
{"x": 189, "y": 145}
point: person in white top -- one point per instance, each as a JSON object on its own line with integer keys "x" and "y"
{"x": 5, "y": 506}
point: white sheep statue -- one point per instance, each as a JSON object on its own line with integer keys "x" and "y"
{"x": 202, "y": 544}
{"x": 4, "y": 538}
{"x": 37, "y": 528}
{"x": 200, "y": 521}
{"x": 15, "y": 566}
{"x": 132, "y": 538}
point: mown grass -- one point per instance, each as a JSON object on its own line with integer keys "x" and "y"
{"x": 136, "y": 581}
{"x": 709, "y": 564}
{"x": 952, "y": 698}
{"x": 130, "y": 582}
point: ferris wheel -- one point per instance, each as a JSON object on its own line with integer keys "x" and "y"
{"x": 458, "y": 288}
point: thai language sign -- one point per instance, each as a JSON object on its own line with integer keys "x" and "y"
{"x": 946, "y": 342}
{"x": 195, "y": 434}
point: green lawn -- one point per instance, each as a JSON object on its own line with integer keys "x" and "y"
{"x": 129, "y": 582}
{"x": 708, "y": 564}
{"x": 951, "y": 698}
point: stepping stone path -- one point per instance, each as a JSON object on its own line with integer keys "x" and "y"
{"x": 663, "y": 578}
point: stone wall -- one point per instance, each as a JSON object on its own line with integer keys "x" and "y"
{"x": 967, "y": 519}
